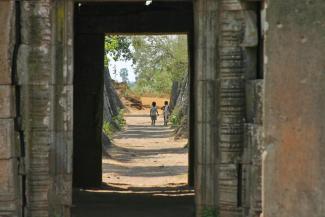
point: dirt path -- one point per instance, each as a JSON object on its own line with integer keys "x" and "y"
{"x": 145, "y": 175}
{"x": 146, "y": 156}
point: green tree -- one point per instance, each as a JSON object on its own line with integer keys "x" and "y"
{"x": 118, "y": 48}
{"x": 158, "y": 61}
{"x": 124, "y": 75}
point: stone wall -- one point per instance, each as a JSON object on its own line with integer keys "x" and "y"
{"x": 294, "y": 118}
{"x": 252, "y": 151}
{"x": 205, "y": 101}
{"x": 251, "y": 169}
{"x": 231, "y": 106}
{"x": 45, "y": 80}
{"x": 36, "y": 109}
{"x": 10, "y": 181}
{"x": 228, "y": 133}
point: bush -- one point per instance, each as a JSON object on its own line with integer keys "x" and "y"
{"x": 119, "y": 119}
{"x": 209, "y": 212}
{"x": 119, "y": 122}
{"x": 176, "y": 117}
{"x": 108, "y": 129}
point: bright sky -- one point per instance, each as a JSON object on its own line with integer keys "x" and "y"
{"x": 116, "y": 66}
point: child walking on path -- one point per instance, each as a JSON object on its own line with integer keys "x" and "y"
{"x": 153, "y": 113}
{"x": 166, "y": 113}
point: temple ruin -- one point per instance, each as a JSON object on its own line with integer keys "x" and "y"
{"x": 257, "y": 96}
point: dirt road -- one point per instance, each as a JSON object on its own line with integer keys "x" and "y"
{"x": 146, "y": 156}
{"x": 145, "y": 175}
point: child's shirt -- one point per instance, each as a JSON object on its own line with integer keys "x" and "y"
{"x": 166, "y": 109}
{"x": 153, "y": 111}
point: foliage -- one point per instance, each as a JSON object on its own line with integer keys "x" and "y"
{"x": 176, "y": 117}
{"x": 158, "y": 61}
{"x": 109, "y": 128}
{"x": 119, "y": 119}
{"x": 209, "y": 212}
{"x": 118, "y": 48}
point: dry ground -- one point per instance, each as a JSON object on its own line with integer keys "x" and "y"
{"x": 146, "y": 156}
{"x": 146, "y": 101}
{"x": 145, "y": 175}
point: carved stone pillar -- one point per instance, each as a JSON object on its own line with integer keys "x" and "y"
{"x": 231, "y": 101}
{"x": 45, "y": 75}
{"x": 205, "y": 100}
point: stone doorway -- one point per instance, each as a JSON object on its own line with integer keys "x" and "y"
{"x": 91, "y": 22}
{"x": 37, "y": 111}
{"x": 89, "y": 48}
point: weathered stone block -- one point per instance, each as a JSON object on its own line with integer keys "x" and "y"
{"x": 63, "y": 39}
{"x": 34, "y": 64}
{"x": 206, "y": 140}
{"x": 7, "y": 40}
{"x": 7, "y": 138}
{"x": 252, "y": 168}
{"x": 62, "y": 192}
{"x": 63, "y": 143}
{"x": 294, "y": 119}
{"x": 8, "y": 171}
{"x": 251, "y": 30}
{"x": 37, "y": 103}
{"x": 7, "y": 101}
{"x": 63, "y": 120}
{"x": 206, "y": 44}
{"x": 36, "y": 22}
{"x": 205, "y": 98}
{"x": 233, "y": 5}
{"x": 254, "y": 101}
{"x": 205, "y": 185}
{"x": 9, "y": 206}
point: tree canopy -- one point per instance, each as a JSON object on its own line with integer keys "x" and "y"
{"x": 118, "y": 48}
{"x": 158, "y": 61}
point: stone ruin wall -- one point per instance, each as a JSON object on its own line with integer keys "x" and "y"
{"x": 36, "y": 110}
{"x": 240, "y": 105}
{"x": 10, "y": 154}
{"x": 46, "y": 177}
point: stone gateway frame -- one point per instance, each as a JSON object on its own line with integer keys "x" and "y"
{"x": 244, "y": 52}
{"x": 89, "y": 33}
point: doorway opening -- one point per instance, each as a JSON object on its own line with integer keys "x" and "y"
{"x": 145, "y": 146}
{"x": 143, "y": 169}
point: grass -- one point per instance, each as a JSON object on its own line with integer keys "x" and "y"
{"x": 209, "y": 212}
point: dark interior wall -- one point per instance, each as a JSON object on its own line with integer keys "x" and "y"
{"x": 88, "y": 101}
{"x": 191, "y": 153}
{"x": 135, "y": 17}
{"x": 91, "y": 22}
